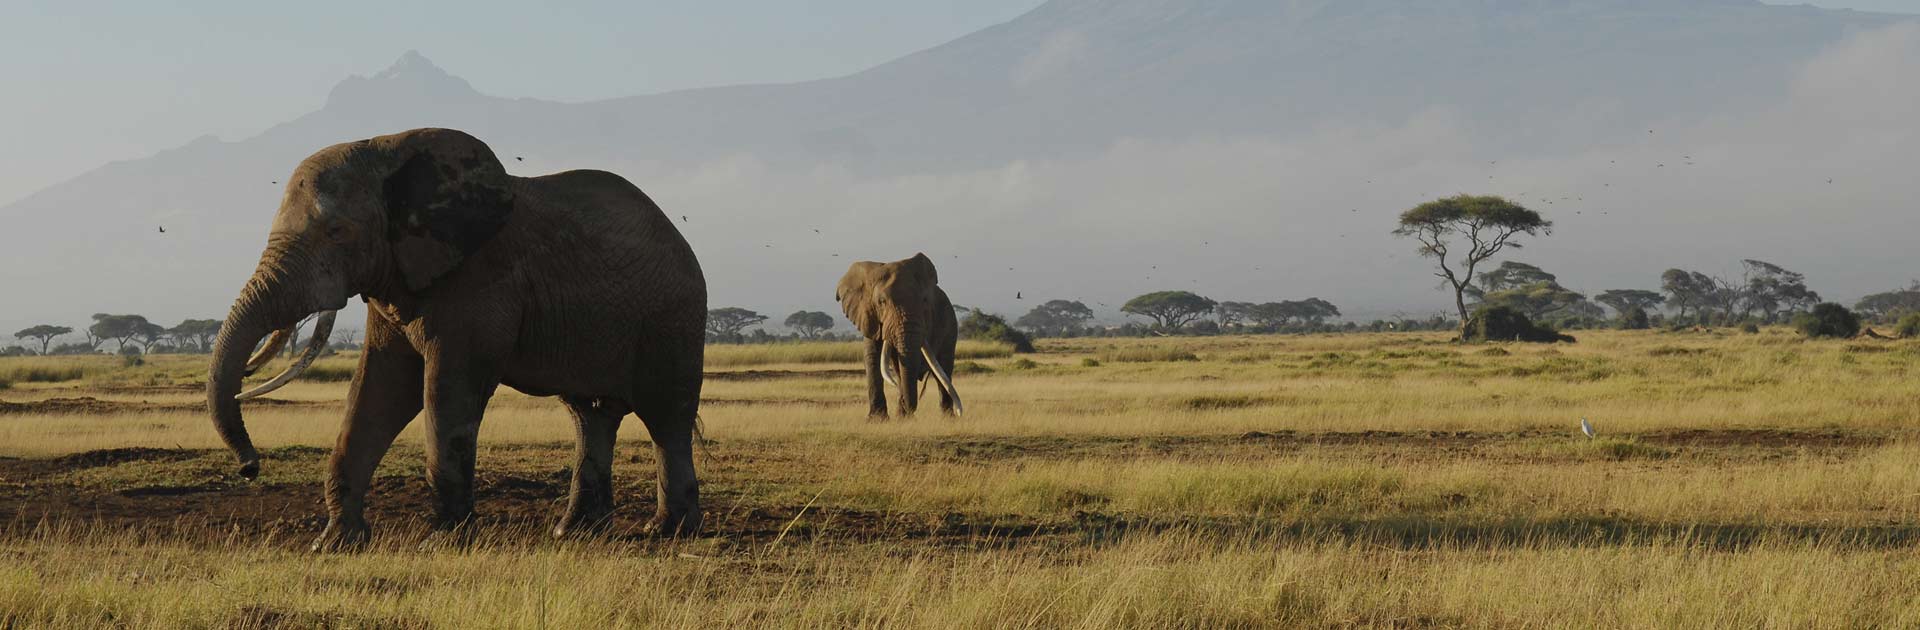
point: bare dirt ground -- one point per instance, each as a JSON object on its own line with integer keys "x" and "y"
{"x": 528, "y": 494}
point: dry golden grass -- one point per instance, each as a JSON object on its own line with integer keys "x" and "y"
{"x": 1333, "y": 480}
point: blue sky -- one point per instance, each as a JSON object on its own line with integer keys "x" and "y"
{"x": 114, "y": 80}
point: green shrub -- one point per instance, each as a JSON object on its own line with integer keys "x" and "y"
{"x": 1635, "y": 318}
{"x": 1089, "y": 362}
{"x": 1750, "y": 328}
{"x": 5, "y": 384}
{"x": 984, "y": 326}
{"x": 1908, "y": 328}
{"x": 1828, "y": 320}
{"x": 1023, "y": 364}
{"x": 1500, "y": 323}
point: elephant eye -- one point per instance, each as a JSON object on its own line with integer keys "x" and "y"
{"x": 339, "y": 232}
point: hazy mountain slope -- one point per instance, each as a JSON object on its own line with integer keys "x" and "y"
{"x": 1064, "y": 82}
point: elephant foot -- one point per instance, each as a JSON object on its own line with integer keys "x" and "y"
{"x": 453, "y": 519}
{"x": 668, "y": 524}
{"x": 584, "y": 524}
{"x": 341, "y": 537}
{"x": 877, "y": 415}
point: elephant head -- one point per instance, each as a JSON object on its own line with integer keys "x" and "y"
{"x": 896, "y": 304}
{"x": 384, "y": 218}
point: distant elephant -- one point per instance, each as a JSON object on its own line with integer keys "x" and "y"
{"x": 573, "y": 285}
{"x": 909, "y": 326}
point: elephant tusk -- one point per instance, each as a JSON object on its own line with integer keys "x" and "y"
{"x": 322, "y": 329}
{"x": 886, "y": 374}
{"x": 267, "y": 352}
{"x": 946, "y": 381}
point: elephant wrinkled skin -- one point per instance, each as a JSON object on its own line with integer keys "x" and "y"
{"x": 910, "y": 329}
{"x": 572, "y": 285}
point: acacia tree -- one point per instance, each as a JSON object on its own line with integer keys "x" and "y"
{"x": 730, "y": 321}
{"x": 1231, "y": 314}
{"x": 1772, "y": 290}
{"x": 1169, "y": 310}
{"x": 1623, "y": 300}
{"x": 1464, "y": 231}
{"x": 124, "y": 329}
{"x": 196, "y": 334}
{"x": 1891, "y": 305}
{"x": 1056, "y": 318}
{"x": 810, "y": 323}
{"x": 44, "y": 332}
{"x": 1510, "y": 275}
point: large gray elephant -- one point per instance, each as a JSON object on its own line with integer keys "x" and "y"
{"x": 910, "y": 330}
{"x": 573, "y": 285}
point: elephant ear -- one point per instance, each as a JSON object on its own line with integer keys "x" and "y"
{"x": 447, "y": 199}
{"x": 852, "y": 294}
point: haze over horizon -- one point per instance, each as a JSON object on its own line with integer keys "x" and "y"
{"x": 1242, "y": 171}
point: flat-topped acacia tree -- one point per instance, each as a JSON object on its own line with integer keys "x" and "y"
{"x": 1465, "y": 230}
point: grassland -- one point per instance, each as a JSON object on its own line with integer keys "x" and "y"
{"x": 1375, "y": 480}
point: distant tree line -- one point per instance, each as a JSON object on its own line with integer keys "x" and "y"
{"x": 130, "y": 334}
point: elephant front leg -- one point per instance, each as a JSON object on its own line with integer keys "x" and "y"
{"x": 384, "y": 398}
{"x": 453, "y": 432}
{"x": 876, "y": 385}
{"x": 590, "y": 501}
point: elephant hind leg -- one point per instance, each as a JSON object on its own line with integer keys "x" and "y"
{"x": 590, "y": 499}
{"x": 672, "y": 420}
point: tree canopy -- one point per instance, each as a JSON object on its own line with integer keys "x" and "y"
{"x": 1465, "y": 231}
{"x": 45, "y": 333}
{"x": 124, "y": 329}
{"x": 195, "y": 333}
{"x": 730, "y": 321}
{"x": 1169, "y": 310}
{"x": 809, "y": 324}
{"x": 1056, "y": 318}
{"x": 1623, "y": 300}
{"x": 1891, "y": 305}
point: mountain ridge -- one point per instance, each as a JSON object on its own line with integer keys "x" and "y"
{"x": 1070, "y": 80}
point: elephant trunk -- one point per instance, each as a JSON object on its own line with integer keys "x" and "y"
{"x": 909, "y": 364}
{"x": 266, "y": 304}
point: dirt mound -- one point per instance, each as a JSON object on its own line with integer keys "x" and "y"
{"x": 114, "y": 456}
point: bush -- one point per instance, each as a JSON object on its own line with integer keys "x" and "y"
{"x": 1089, "y": 362}
{"x": 1635, "y": 318}
{"x": 1828, "y": 320}
{"x": 1500, "y": 323}
{"x": 1908, "y": 328}
{"x": 1023, "y": 364}
{"x": 1750, "y": 328}
{"x": 983, "y": 326}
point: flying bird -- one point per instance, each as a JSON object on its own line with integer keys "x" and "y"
{"x": 683, "y": 218}
{"x": 163, "y": 229}
{"x": 519, "y": 159}
{"x": 1586, "y": 428}
{"x": 1016, "y": 295}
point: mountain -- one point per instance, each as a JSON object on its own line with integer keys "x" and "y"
{"x": 987, "y": 131}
